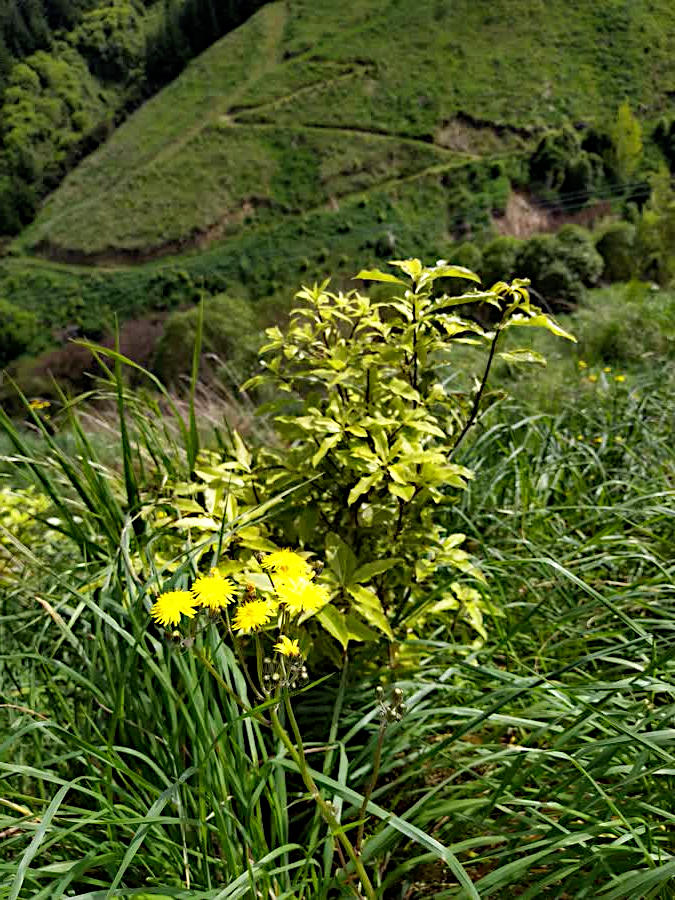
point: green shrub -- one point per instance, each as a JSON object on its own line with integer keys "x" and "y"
{"x": 579, "y": 253}
{"x": 229, "y": 340}
{"x": 561, "y": 265}
{"x": 499, "y": 259}
{"x": 617, "y": 247}
{"x": 656, "y": 231}
{"x": 560, "y": 166}
{"x": 112, "y": 40}
{"x": 365, "y": 410}
{"x": 559, "y": 285}
{"x": 51, "y": 103}
{"x": 664, "y": 137}
{"x": 469, "y": 256}
{"x": 18, "y": 331}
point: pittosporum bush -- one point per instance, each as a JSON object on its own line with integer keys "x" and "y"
{"x": 368, "y": 417}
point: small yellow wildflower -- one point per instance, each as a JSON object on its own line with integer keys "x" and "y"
{"x": 288, "y": 564}
{"x": 213, "y": 590}
{"x": 618, "y": 439}
{"x": 580, "y": 437}
{"x": 597, "y": 440}
{"x": 582, "y": 364}
{"x": 253, "y": 615}
{"x": 39, "y": 404}
{"x": 592, "y": 378}
{"x": 169, "y": 607}
{"x": 287, "y": 647}
{"x": 607, "y": 369}
{"x": 301, "y": 594}
{"x": 619, "y": 378}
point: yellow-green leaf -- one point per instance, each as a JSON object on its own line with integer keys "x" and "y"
{"x": 445, "y": 271}
{"x": 542, "y": 321}
{"x": 376, "y": 275}
{"x": 335, "y": 624}
{"x": 404, "y": 491}
{"x": 411, "y": 267}
{"x": 326, "y": 445}
{"x": 363, "y": 486}
{"x": 368, "y": 571}
{"x": 368, "y": 605}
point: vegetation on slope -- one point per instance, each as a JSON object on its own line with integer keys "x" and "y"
{"x": 71, "y": 69}
{"x": 309, "y": 106}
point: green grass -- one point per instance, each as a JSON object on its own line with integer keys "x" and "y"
{"x": 306, "y": 106}
{"x": 542, "y": 759}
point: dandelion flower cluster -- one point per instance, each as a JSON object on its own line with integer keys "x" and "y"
{"x": 213, "y": 591}
{"x": 253, "y": 615}
{"x": 287, "y": 564}
{"x": 301, "y": 595}
{"x": 295, "y": 592}
{"x": 171, "y": 605}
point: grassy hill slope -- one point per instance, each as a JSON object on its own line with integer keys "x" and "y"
{"x": 309, "y": 106}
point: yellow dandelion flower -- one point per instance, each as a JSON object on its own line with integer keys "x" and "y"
{"x": 597, "y": 440}
{"x": 301, "y": 594}
{"x": 39, "y": 404}
{"x": 619, "y": 378}
{"x": 253, "y": 615}
{"x": 592, "y": 378}
{"x": 169, "y": 607}
{"x": 582, "y": 364}
{"x": 287, "y": 647}
{"x": 213, "y": 590}
{"x": 580, "y": 437}
{"x": 288, "y": 564}
{"x": 607, "y": 369}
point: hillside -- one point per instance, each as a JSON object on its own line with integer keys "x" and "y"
{"x": 311, "y": 106}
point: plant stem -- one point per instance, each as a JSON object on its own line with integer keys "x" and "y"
{"x": 220, "y": 681}
{"x": 479, "y": 395}
{"x": 297, "y": 754}
{"x": 377, "y": 759}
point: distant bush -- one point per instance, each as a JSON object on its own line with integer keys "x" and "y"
{"x": 580, "y": 254}
{"x": 560, "y": 165}
{"x": 18, "y": 330}
{"x": 617, "y": 247}
{"x": 664, "y": 138}
{"x": 561, "y": 265}
{"x": 499, "y": 259}
{"x": 469, "y": 256}
{"x": 656, "y": 231}
{"x": 230, "y": 335}
{"x": 112, "y": 40}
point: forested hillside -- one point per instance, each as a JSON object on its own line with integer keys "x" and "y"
{"x": 429, "y": 107}
{"x": 71, "y": 70}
